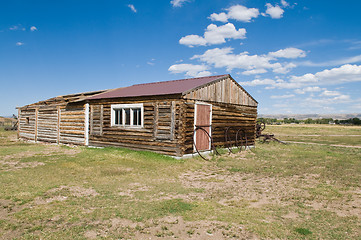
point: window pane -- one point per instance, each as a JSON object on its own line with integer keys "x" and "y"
{"x": 127, "y": 116}
{"x": 120, "y": 116}
{"x": 137, "y": 117}
{"x": 116, "y": 113}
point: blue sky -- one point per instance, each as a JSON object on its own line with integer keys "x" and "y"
{"x": 292, "y": 56}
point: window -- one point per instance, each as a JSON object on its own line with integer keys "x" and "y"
{"x": 127, "y": 115}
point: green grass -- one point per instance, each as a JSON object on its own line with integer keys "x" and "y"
{"x": 274, "y": 191}
{"x": 317, "y": 133}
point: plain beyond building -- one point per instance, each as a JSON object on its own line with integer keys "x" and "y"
{"x": 159, "y": 117}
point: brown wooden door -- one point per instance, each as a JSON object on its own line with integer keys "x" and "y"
{"x": 203, "y": 116}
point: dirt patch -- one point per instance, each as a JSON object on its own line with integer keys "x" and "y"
{"x": 133, "y": 188}
{"x": 229, "y": 188}
{"x": 176, "y": 227}
{"x": 15, "y": 165}
{"x": 62, "y": 193}
{"x": 250, "y": 190}
{"x": 75, "y": 191}
{"x": 49, "y": 150}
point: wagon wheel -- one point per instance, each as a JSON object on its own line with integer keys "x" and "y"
{"x": 213, "y": 143}
{"x": 241, "y": 135}
{"x": 210, "y": 138}
{"x": 260, "y": 126}
{"x": 228, "y": 139}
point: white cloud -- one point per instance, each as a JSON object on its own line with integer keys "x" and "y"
{"x": 328, "y": 93}
{"x": 193, "y": 40}
{"x": 151, "y": 62}
{"x": 190, "y": 70}
{"x": 274, "y": 11}
{"x": 221, "y": 17}
{"x": 344, "y": 74}
{"x": 131, "y": 6}
{"x": 19, "y": 43}
{"x": 14, "y": 28}
{"x": 236, "y": 12}
{"x": 282, "y": 96}
{"x": 308, "y": 89}
{"x": 288, "y": 53}
{"x": 214, "y": 35}
{"x": 178, "y": 3}
{"x": 341, "y": 61}
{"x": 286, "y": 68}
{"x": 224, "y": 57}
{"x": 33, "y": 28}
{"x": 258, "y": 82}
{"x": 254, "y": 71}
{"x": 284, "y": 3}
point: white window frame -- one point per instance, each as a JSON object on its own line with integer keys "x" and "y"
{"x": 131, "y": 107}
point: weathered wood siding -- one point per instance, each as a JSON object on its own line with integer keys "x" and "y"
{"x": 47, "y": 124}
{"x": 159, "y": 133}
{"x": 223, "y": 115}
{"x": 224, "y": 91}
{"x": 27, "y": 124}
{"x": 54, "y": 124}
{"x": 72, "y": 125}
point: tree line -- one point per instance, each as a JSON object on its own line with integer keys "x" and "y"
{"x": 274, "y": 121}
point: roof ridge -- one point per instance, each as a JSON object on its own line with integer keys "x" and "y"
{"x": 178, "y": 80}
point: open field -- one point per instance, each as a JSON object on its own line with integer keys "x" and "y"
{"x": 317, "y": 133}
{"x": 294, "y": 191}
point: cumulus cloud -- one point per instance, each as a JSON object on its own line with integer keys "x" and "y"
{"x": 214, "y": 35}
{"x": 19, "y": 43}
{"x": 224, "y": 57}
{"x": 328, "y": 93}
{"x": 288, "y": 53}
{"x": 236, "y": 12}
{"x": 178, "y": 3}
{"x": 258, "y": 82}
{"x": 284, "y": 3}
{"x": 254, "y": 71}
{"x": 274, "y": 11}
{"x": 344, "y": 74}
{"x": 131, "y": 6}
{"x": 190, "y": 70}
{"x": 308, "y": 89}
{"x": 341, "y": 61}
{"x": 282, "y": 96}
{"x": 33, "y": 28}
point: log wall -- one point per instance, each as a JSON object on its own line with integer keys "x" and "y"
{"x": 27, "y": 124}
{"x": 223, "y": 115}
{"x": 160, "y": 132}
{"x": 53, "y": 124}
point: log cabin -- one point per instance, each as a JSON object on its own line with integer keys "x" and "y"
{"x": 159, "y": 117}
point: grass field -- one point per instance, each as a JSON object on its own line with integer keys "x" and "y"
{"x": 293, "y": 191}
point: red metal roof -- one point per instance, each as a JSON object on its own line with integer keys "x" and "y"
{"x": 158, "y": 88}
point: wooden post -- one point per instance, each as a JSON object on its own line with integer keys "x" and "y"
{"x": 101, "y": 120}
{"x": 155, "y": 122}
{"x": 172, "y": 123}
{"x": 91, "y": 120}
{"x": 58, "y": 125}
{"x": 36, "y": 125}
{"x": 19, "y": 115}
{"x": 86, "y": 128}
